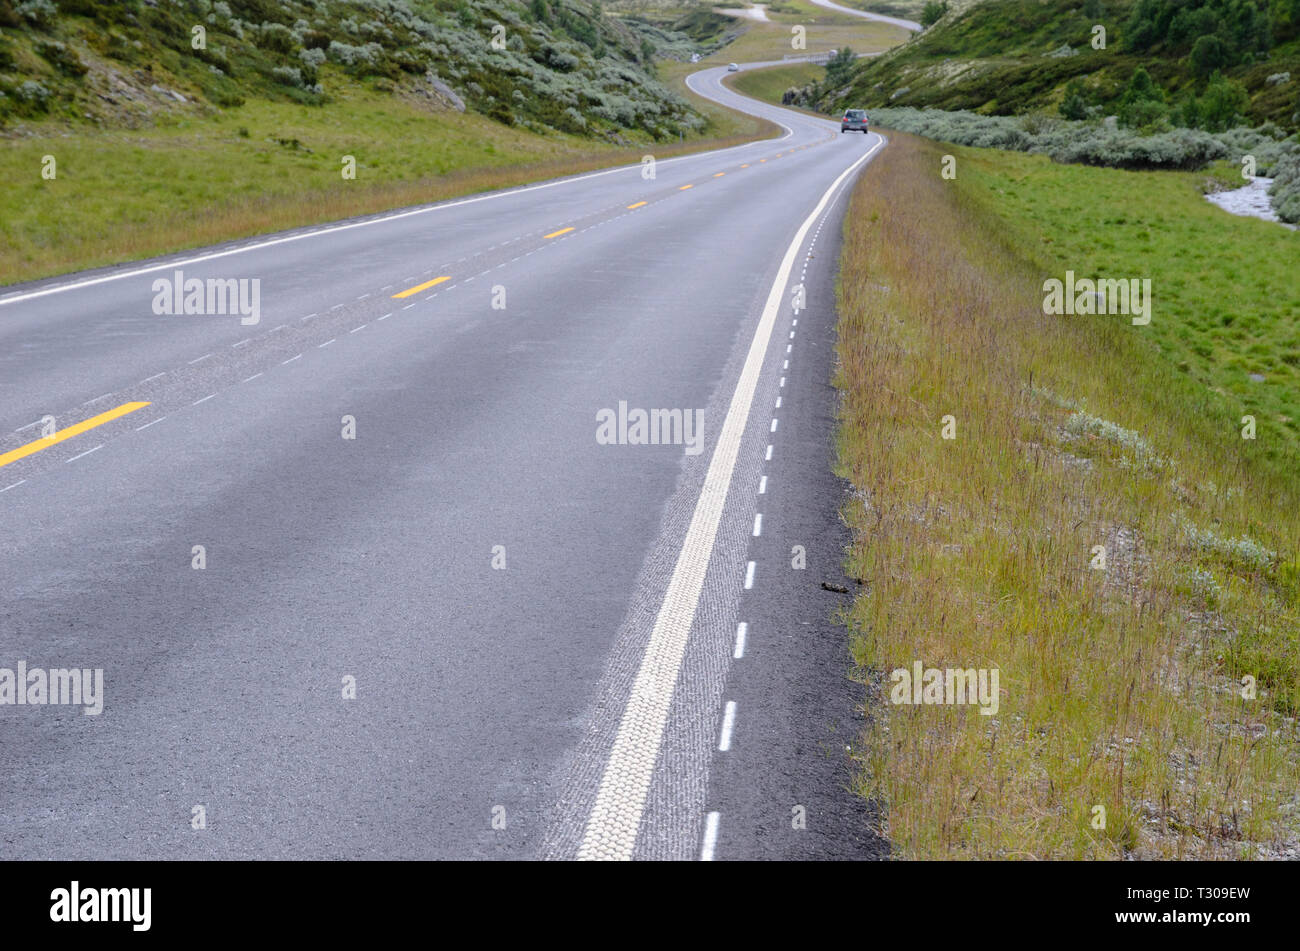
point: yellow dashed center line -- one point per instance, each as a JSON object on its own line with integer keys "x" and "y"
{"x": 684, "y": 187}
{"x": 746, "y": 165}
{"x": 76, "y": 430}
{"x": 422, "y": 287}
{"x": 718, "y": 174}
{"x": 637, "y": 205}
{"x": 556, "y": 234}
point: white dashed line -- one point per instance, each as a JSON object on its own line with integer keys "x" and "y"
{"x": 728, "y": 724}
{"x": 204, "y": 400}
{"x": 710, "y": 837}
{"x": 762, "y": 485}
{"x": 355, "y": 329}
{"x": 310, "y": 316}
{"x": 198, "y": 360}
{"x": 252, "y": 378}
{"x": 38, "y": 422}
{"x": 154, "y": 377}
{"x": 322, "y": 346}
{"x": 773, "y": 429}
{"x": 783, "y": 381}
{"x": 14, "y": 486}
{"x": 86, "y": 453}
{"x": 786, "y": 365}
{"x": 97, "y": 399}
{"x": 279, "y": 328}
{"x": 385, "y": 317}
{"x": 148, "y": 424}
{"x": 290, "y": 360}
{"x": 758, "y": 524}
{"x": 778, "y": 402}
{"x": 749, "y": 576}
{"x": 769, "y": 452}
{"x": 241, "y": 343}
{"x": 615, "y": 818}
{"x": 742, "y": 630}
{"x": 362, "y": 296}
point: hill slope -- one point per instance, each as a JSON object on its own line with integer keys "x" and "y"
{"x": 544, "y": 65}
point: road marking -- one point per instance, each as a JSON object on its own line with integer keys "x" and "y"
{"x": 684, "y": 187}
{"x": 76, "y": 429}
{"x": 422, "y": 287}
{"x": 204, "y": 400}
{"x": 154, "y": 377}
{"x": 758, "y": 524}
{"x": 773, "y": 429}
{"x": 785, "y": 365}
{"x": 637, "y": 205}
{"x": 385, "y": 317}
{"x": 322, "y": 346}
{"x": 769, "y": 452}
{"x": 746, "y": 165}
{"x": 290, "y": 360}
{"x": 241, "y": 343}
{"x": 749, "y": 576}
{"x": 762, "y": 485}
{"x": 86, "y": 453}
{"x": 199, "y": 360}
{"x": 719, "y": 174}
{"x": 728, "y": 724}
{"x": 150, "y": 423}
{"x": 14, "y": 486}
{"x": 611, "y": 829}
{"x": 710, "y": 837}
{"x": 355, "y": 329}
{"x": 334, "y": 229}
{"x": 102, "y": 396}
{"x": 252, "y": 378}
{"x": 742, "y": 629}
{"x": 556, "y": 234}
{"x": 778, "y": 402}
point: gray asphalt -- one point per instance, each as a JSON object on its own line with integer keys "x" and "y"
{"x": 481, "y": 693}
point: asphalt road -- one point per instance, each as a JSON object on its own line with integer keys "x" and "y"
{"x": 539, "y": 628}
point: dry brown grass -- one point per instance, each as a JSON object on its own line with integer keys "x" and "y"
{"x": 1119, "y": 687}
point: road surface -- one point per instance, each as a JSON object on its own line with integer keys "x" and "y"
{"x": 866, "y": 15}
{"x": 366, "y": 580}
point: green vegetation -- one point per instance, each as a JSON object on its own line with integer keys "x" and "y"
{"x": 1204, "y": 59}
{"x": 1121, "y": 686}
{"x": 773, "y": 83}
{"x": 545, "y": 65}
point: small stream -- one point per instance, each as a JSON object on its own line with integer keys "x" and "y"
{"x": 1251, "y": 200}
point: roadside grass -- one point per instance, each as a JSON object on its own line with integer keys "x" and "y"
{"x": 122, "y": 195}
{"x": 769, "y": 84}
{"x": 1121, "y": 688}
{"x": 770, "y": 41}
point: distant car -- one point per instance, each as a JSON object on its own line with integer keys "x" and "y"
{"x": 733, "y": 68}
{"x": 855, "y": 120}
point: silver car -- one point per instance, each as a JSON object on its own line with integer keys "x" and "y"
{"x": 855, "y": 120}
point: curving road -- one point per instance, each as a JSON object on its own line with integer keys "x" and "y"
{"x": 866, "y": 15}
{"x": 472, "y": 629}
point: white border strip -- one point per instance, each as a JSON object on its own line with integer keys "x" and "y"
{"x": 615, "y": 819}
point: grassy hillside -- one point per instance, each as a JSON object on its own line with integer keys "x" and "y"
{"x": 122, "y": 140}
{"x": 1147, "y": 701}
{"x": 544, "y": 65}
{"x": 1008, "y": 57}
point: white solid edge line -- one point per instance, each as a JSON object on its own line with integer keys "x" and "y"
{"x": 710, "y": 837}
{"x": 332, "y": 229}
{"x": 611, "y": 829}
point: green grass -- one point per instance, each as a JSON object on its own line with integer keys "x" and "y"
{"x": 121, "y": 195}
{"x": 770, "y": 41}
{"x": 769, "y": 84}
{"x": 1227, "y": 304}
{"x": 1121, "y": 687}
